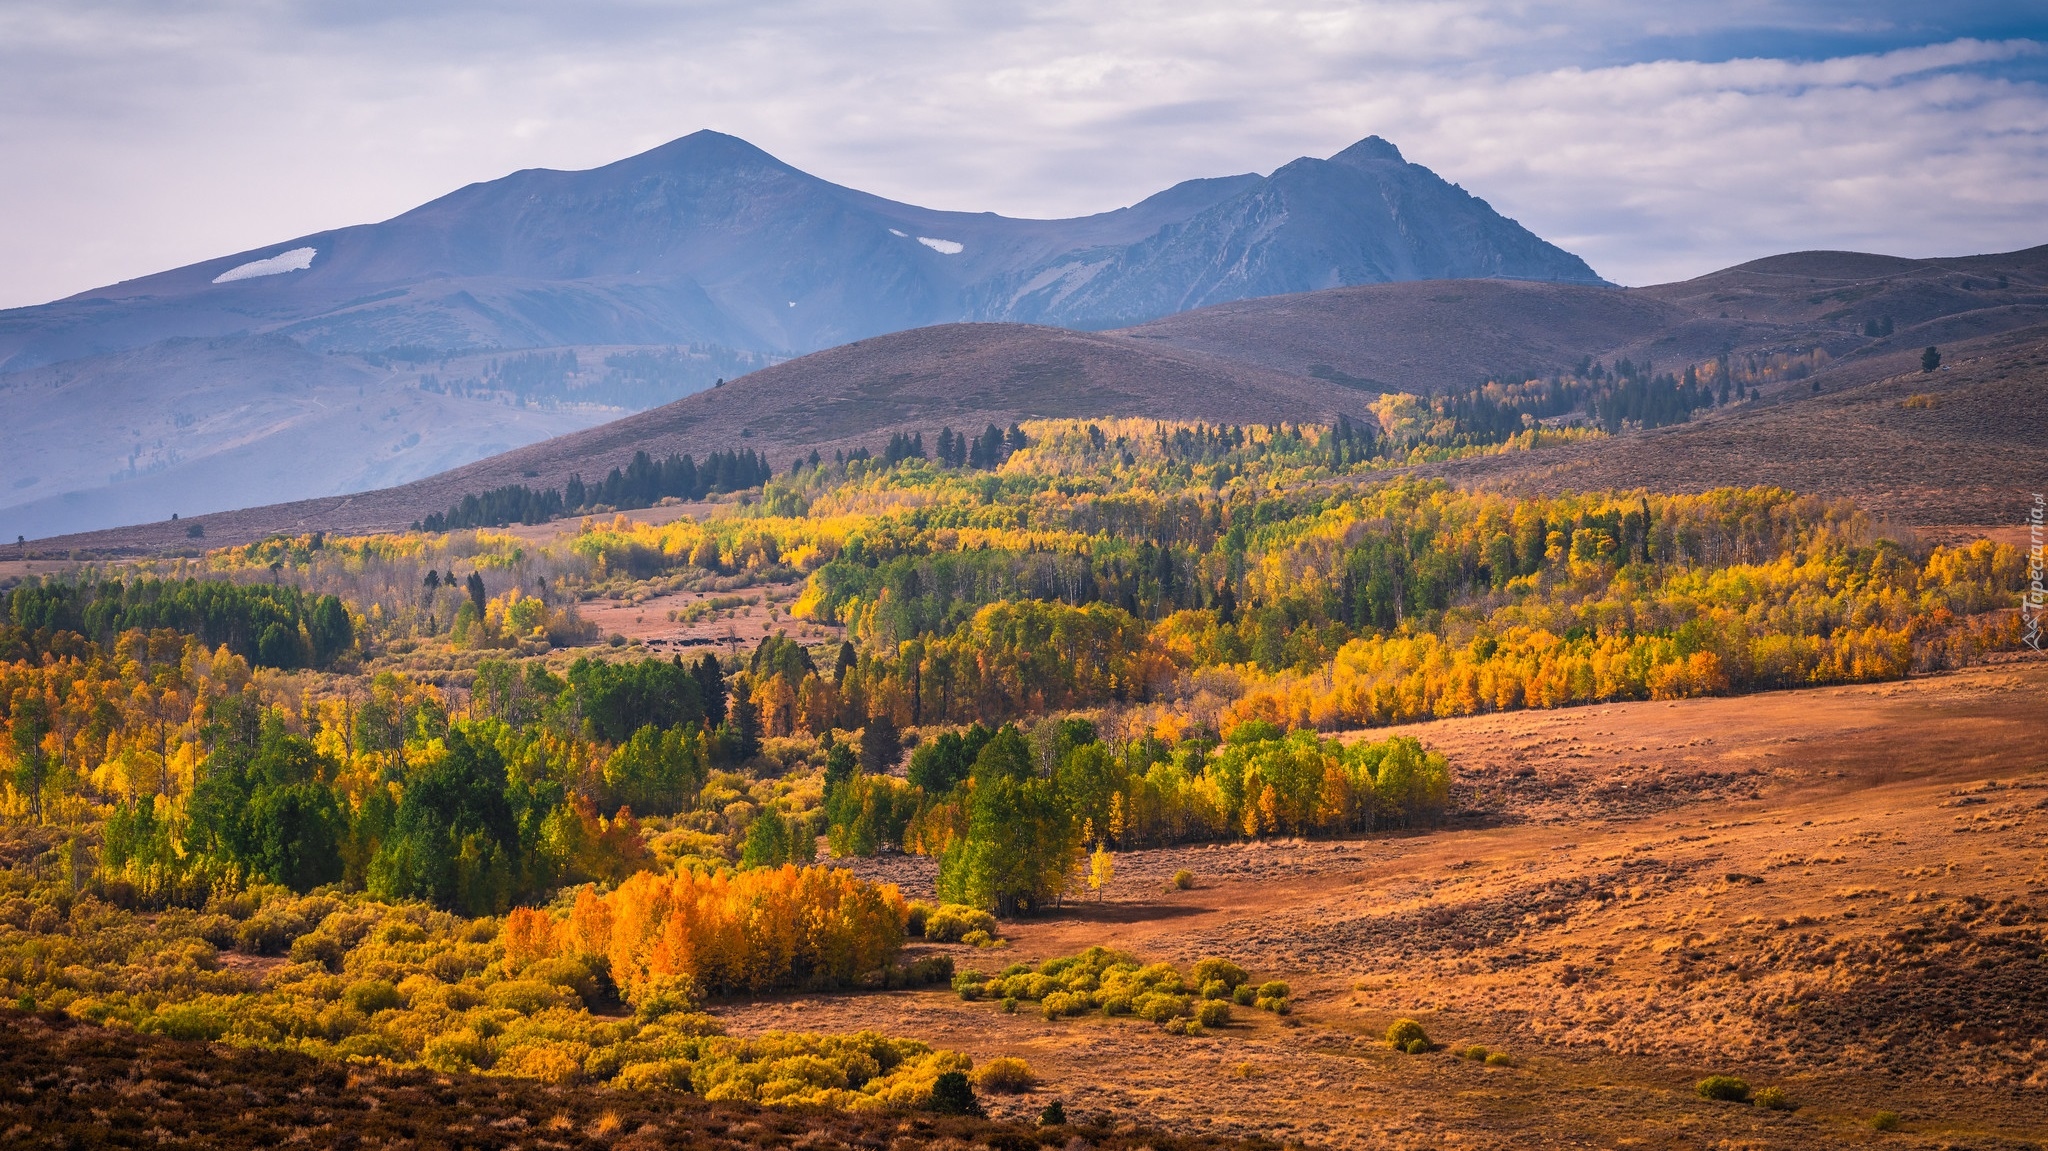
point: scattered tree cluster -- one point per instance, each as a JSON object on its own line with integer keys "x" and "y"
{"x": 643, "y": 483}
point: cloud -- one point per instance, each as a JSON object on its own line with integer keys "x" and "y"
{"x": 142, "y": 136}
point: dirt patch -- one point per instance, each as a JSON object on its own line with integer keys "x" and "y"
{"x": 722, "y": 621}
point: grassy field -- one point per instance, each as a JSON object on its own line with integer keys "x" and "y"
{"x": 1840, "y": 893}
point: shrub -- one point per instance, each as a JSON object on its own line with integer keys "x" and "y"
{"x": 1009, "y": 1005}
{"x": 186, "y": 1021}
{"x": 1725, "y": 1088}
{"x": 561, "y": 971}
{"x": 951, "y": 922}
{"x": 914, "y": 915}
{"x": 969, "y": 984}
{"x": 1213, "y": 1013}
{"x": 1273, "y": 989}
{"x": 1063, "y": 1003}
{"x": 928, "y": 970}
{"x": 462, "y": 1050}
{"x": 1183, "y": 879}
{"x": 1885, "y": 1121}
{"x": 1244, "y": 995}
{"x": 1215, "y": 989}
{"x": 672, "y": 1074}
{"x": 1116, "y": 1005}
{"x": 1417, "y": 1047}
{"x": 1774, "y": 1099}
{"x": 1222, "y": 971}
{"x": 1406, "y": 1031}
{"x": 1007, "y": 1076}
{"x": 1475, "y": 1053}
{"x": 1181, "y": 1026}
{"x": 1160, "y": 976}
{"x": 1054, "y": 1115}
{"x": 1158, "y": 1006}
{"x": 319, "y": 947}
{"x": 526, "y": 996}
{"x": 1499, "y": 1059}
{"x": 952, "y": 1094}
{"x": 372, "y": 995}
{"x": 978, "y": 938}
{"x": 1268, "y": 1003}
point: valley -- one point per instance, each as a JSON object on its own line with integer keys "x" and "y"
{"x": 1837, "y": 892}
{"x": 1016, "y": 736}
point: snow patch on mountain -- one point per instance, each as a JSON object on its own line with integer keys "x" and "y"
{"x": 296, "y": 260}
{"x": 944, "y": 247}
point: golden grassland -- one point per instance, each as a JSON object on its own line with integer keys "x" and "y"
{"x": 1838, "y": 892}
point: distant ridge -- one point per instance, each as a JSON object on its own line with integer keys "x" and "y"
{"x": 387, "y": 344}
{"x": 708, "y": 239}
{"x": 1310, "y": 356}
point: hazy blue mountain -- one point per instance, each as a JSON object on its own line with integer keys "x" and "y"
{"x": 710, "y": 240}
{"x": 394, "y": 350}
{"x": 1363, "y": 216}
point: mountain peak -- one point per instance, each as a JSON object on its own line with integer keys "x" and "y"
{"x": 706, "y": 147}
{"x": 1367, "y": 150}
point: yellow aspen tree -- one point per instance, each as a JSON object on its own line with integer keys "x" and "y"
{"x": 1101, "y": 870}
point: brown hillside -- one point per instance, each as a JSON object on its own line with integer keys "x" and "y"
{"x": 960, "y": 375}
{"x": 963, "y": 375}
{"x": 1308, "y": 357}
{"x": 1971, "y": 458}
{"x": 1420, "y": 337}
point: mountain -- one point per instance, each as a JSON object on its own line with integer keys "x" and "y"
{"x": 1364, "y": 216}
{"x": 710, "y": 240}
{"x": 706, "y": 251}
{"x": 1310, "y": 356}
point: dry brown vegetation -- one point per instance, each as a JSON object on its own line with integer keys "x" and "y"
{"x": 74, "y": 1085}
{"x": 1840, "y": 893}
{"x": 1967, "y": 458}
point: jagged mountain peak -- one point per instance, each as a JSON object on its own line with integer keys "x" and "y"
{"x": 1369, "y": 150}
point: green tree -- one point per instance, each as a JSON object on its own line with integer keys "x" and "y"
{"x": 454, "y": 839}
{"x": 840, "y": 764}
{"x": 773, "y": 840}
{"x": 656, "y": 772}
{"x": 743, "y": 729}
{"x": 881, "y": 745}
{"x": 1930, "y": 359}
{"x": 295, "y": 827}
{"x": 618, "y": 699}
{"x": 31, "y": 719}
{"x": 1021, "y": 843}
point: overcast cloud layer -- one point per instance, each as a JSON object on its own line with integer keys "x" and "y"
{"x": 1658, "y": 142}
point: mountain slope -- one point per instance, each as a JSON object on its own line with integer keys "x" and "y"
{"x": 1306, "y": 357}
{"x": 960, "y": 375}
{"x": 710, "y": 239}
{"x": 706, "y": 242}
{"x": 1364, "y": 216}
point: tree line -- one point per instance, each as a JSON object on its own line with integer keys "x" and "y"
{"x": 644, "y": 482}
{"x": 267, "y": 624}
{"x": 1010, "y": 814}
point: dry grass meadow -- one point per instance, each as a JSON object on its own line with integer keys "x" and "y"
{"x": 1840, "y": 893}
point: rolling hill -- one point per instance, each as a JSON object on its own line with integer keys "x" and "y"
{"x": 1836, "y": 430}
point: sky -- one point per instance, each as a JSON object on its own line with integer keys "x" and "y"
{"x": 1658, "y": 141}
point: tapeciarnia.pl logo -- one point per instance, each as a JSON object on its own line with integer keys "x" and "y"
{"x": 2037, "y": 595}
